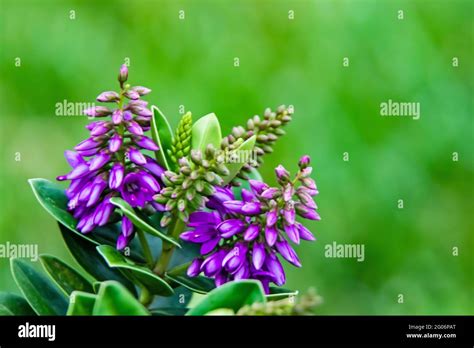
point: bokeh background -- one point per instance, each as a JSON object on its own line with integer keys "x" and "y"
{"x": 190, "y": 62}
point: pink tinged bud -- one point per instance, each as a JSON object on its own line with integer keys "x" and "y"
{"x": 146, "y": 143}
{"x": 258, "y": 255}
{"x": 257, "y": 186}
{"x": 136, "y": 156}
{"x": 251, "y": 208}
{"x": 116, "y": 176}
{"x": 289, "y": 215}
{"x": 305, "y": 172}
{"x": 137, "y": 102}
{"x": 89, "y": 152}
{"x": 134, "y": 128}
{"x": 270, "y": 193}
{"x": 127, "y": 227}
{"x": 115, "y": 143}
{"x": 304, "y": 161}
{"x": 304, "y": 232}
{"x": 97, "y": 111}
{"x": 230, "y": 227}
{"x": 131, "y": 94}
{"x": 272, "y": 217}
{"x": 150, "y": 181}
{"x": 288, "y": 192}
{"x": 141, "y": 111}
{"x": 287, "y": 252}
{"x": 282, "y": 173}
{"x": 109, "y": 96}
{"x": 122, "y": 242}
{"x": 73, "y": 158}
{"x": 233, "y": 205}
{"x": 91, "y": 125}
{"x": 81, "y": 170}
{"x": 96, "y": 191}
{"x": 153, "y": 167}
{"x": 99, "y": 161}
{"x": 271, "y": 234}
{"x": 306, "y": 212}
{"x": 123, "y": 74}
{"x": 252, "y": 232}
{"x": 117, "y": 116}
{"x": 194, "y": 268}
{"x": 309, "y": 183}
{"x": 100, "y": 129}
{"x": 85, "y": 192}
{"x": 127, "y": 116}
{"x": 86, "y": 144}
{"x": 307, "y": 200}
{"x": 292, "y": 233}
{"x": 141, "y": 90}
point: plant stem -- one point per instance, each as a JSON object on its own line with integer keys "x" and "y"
{"x": 168, "y": 248}
{"x": 145, "y": 297}
{"x": 145, "y": 247}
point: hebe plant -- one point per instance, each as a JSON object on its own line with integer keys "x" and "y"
{"x": 150, "y": 213}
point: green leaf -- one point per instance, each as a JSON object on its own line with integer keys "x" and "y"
{"x": 232, "y": 295}
{"x": 40, "y": 292}
{"x": 87, "y": 256}
{"x": 200, "y": 284}
{"x": 245, "y": 149}
{"x": 206, "y": 130}
{"x": 96, "y": 286}
{"x": 67, "y": 278}
{"x": 114, "y": 299}
{"x": 163, "y": 137}
{"x": 53, "y": 198}
{"x": 221, "y": 312}
{"x": 11, "y": 304}
{"x": 170, "y": 311}
{"x": 81, "y": 303}
{"x": 139, "y": 222}
{"x": 280, "y": 293}
{"x": 146, "y": 277}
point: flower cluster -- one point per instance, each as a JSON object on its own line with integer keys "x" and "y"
{"x": 241, "y": 238}
{"x": 110, "y": 163}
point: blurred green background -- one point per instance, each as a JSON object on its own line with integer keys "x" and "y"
{"x": 296, "y": 61}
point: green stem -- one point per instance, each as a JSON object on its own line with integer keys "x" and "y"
{"x": 168, "y": 248}
{"x": 145, "y": 247}
{"x": 145, "y": 297}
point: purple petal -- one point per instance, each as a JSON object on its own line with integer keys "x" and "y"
{"x": 109, "y": 96}
{"x": 252, "y": 232}
{"x": 292, "y": 233}
{"x": 289, "y": 215}
{"x": 234, "y": 205}
{"x": 271, "y": 234}
{"x": 287, "y": 252}
{"x": 274, "y": 266}
{"x": 127, "y": 226}
{"x": 194, "y": 268}
{"x": 208, "y": 246}
{"x": 116, "y": 176}
{"x": 134, "y": 128}
{"x": 230, "y": 227}
{"x": 258, "y": 255}
{"x": 146, "y": 143}
{"x": 257, "y": 186}
{"x": 272, "y": 217}
{"x": 115, "y": 143}
{"x": 117, "y": 116}
{"x": 304, "y": 232}
{"x": 73, "y": 158}
{"x": 86, "y": 144}
{"x": 99, "y": 161}
{"x": 251, "y": 208}
{"x": 136, "y": 156}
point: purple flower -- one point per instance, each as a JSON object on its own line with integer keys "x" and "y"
{"x": 107, "y": 165}
{"x": 242, "y": 238}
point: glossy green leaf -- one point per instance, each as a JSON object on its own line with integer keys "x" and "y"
{"x": 139, "y": 222}
{"x": 221, "y": 312}
{"x": 232, "y": 295}
{"x": 200, "y": 284}
{"x": 40, "y": 292}
{"x": 53, "y": 199}
{"x": 245, "y": 149}
{"x": 81, "y": 303}
{"x": 86, "y": 255}
{"x": 11, "y": 304}
{"x": 114, "y": 299}
{"x": 206, "y": 130}
{"x": 146, "y": 277}
{"x": 163, "y": 137}
{"x": 67, "y": 278}
{"x": 96, "y": 287}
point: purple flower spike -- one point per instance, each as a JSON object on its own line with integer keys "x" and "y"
{"x": 115, "y": 143}
{"x": 136, "y": 156}
{"x": 195, "y": 268}
{"x": 146, "y": 143}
